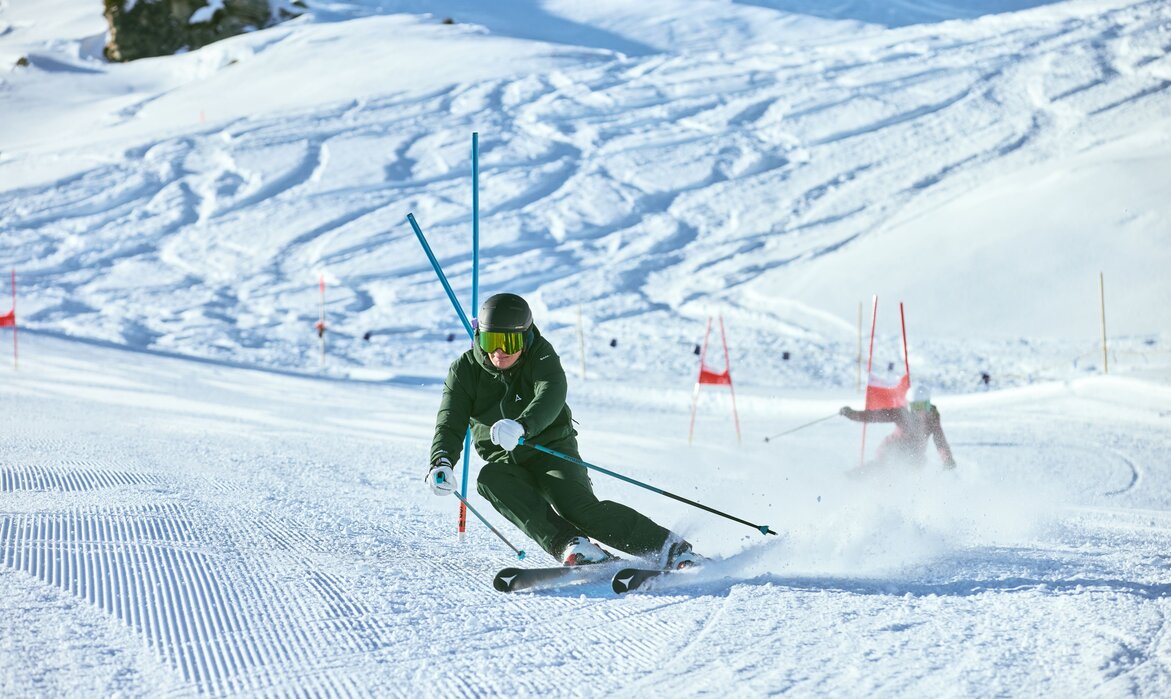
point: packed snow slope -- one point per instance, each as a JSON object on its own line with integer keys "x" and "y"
{"x": 169, "y": 526}
{"x": 194, "y": 502}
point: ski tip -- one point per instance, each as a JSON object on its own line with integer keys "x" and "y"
{"x": 629, "y": 579}
{"x": 503, "y": 580}
{"x": 621, "y": 582}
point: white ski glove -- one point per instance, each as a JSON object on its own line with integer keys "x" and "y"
{"x": 507, "y": 434}
{"x": 440, "y": 477}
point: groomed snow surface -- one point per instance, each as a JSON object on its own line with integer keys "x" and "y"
{"x": 193, "y": 503}
{"x": 178, "y": 526}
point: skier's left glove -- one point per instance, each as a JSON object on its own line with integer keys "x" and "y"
{"x": 440, "y": 478}
{"x": 507, "y": 434}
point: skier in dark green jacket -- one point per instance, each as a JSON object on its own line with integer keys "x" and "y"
{"x": 510, "y": 385}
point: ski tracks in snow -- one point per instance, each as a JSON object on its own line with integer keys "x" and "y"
{"x": 229, "y": 597}
{"x": 223, "y": 623}
{"x": 251, "y": 547}
{"x": 714, "y": 157}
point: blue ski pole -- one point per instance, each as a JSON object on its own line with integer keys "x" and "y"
{"x": 808, "y": 424}
{"x": 520, "y": 554}
{"x": 762, "y": 528}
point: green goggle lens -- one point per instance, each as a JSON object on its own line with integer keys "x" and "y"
{"x": 921, "y": 405}
{"x": 511, "y": 343}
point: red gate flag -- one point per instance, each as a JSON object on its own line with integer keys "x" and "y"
{"x": 9, "y": 321}
{"x": 712, "y": 377}
{"x": 721, "y": 378}
{"x": 883, "y": 394}
{"x": 880, "y": 393}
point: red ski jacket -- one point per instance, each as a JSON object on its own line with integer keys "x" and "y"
{"x": 912, "y": 430}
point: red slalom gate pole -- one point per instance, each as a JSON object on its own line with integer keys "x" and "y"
{"x": 321, "y": 323}
{"x": 695, "y": 391}
{"x": 728, "y": 370}
{"x": 906, "y": 356}
{"x": 8, "y": 320}
{"x": 15, "y": 353}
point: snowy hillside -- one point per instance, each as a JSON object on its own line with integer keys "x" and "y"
{"x": 709, "y": 171}
{"x": 192, "y": 502}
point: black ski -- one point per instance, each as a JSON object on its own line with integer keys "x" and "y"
{"x": 629, "y": 579}
{"x": 513, "y": 579}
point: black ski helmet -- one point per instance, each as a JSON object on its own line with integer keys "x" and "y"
{"x": 505, "y": 313}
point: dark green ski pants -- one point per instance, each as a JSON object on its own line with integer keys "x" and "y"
{"x": 552, "y": 501}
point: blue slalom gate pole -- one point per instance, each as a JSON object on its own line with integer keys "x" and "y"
{"x": 468, "y": 326}
{"x": 463, "y": 519}
{"x": 762, "y": 528}
{"x": 462, "y": 524}
{"x": 439, "y": 271}
{"x": 475, "y": 222}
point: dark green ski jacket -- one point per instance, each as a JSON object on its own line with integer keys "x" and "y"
{"x": 532, "y": 391}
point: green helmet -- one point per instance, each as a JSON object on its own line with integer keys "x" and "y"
{"x": 505, "y": 313}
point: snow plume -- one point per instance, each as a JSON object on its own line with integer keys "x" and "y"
{"x": 888, "y": 523}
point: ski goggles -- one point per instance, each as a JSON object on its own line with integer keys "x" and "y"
{"x": 921, "y": 405}
{"x": 510, "y": 342}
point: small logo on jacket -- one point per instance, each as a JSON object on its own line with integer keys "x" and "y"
{"x": 518, "y": 398}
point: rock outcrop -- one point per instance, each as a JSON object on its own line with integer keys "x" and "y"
{"x": 144, "y": 28}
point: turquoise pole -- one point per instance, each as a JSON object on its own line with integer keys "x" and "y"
{"x": 762, "y": 528}
{"x": 463, "y": 485}
{"x": 442, "y": 277}
{"x": 475, "y": 223}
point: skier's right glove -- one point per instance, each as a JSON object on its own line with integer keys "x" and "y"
{"x": 507, "y": 434}
{"x": 440, "y": 478}
{"x": 848, "y": 412}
